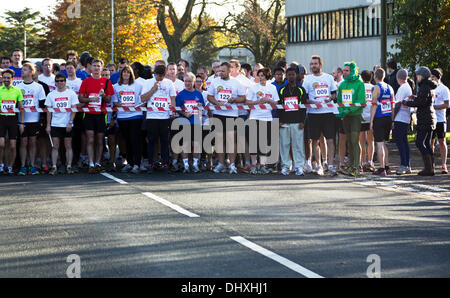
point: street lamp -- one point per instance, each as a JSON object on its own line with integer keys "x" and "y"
{"x": 112, "y": 31}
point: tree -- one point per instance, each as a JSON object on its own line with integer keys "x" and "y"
{"x": 205, "y": 47}
{"x": 136, "y": 34}
{"x": 12, "y": 35}
{"x": 425, "y": 29}
{"x": 174, "y": 29}
{"x": 261, "y": 30}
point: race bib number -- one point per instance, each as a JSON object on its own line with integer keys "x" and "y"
{"x": 291, "y": 104}
{"x": 127, "y": 98}
{"x": 190, "y": 105}
{"x": 97, "y": 102}
{"x": 62, "y": 103}
{"x": 17, "y": 81}
{"x": 161, "y": 102}
{"x": 8, "y": 105}
{"x": 368, "y": 95}
{"x": 347, "y": 96}
{"x": 224, "y": 96}
{"x": 386, "y": 106}
{"x": 28, "y": 101}
{"x": 322, "y": 92}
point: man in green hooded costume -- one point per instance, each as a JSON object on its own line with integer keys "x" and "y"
{"x": 350, "y": 91}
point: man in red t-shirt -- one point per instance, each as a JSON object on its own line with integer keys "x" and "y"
{"x": 95, "y": 92}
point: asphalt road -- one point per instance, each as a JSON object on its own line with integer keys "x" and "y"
{"x": 186, "y": 226}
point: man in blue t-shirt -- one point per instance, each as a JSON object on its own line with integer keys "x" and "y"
{"x": 123, "y": 62}
{"x": 191, "y": 99}
{"x": 17, "y": 58}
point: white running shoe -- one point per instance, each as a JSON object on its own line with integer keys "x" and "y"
{"x": 220, "y": 168}
{"x": 319, "y": 170}
{"x": 135, "y": 169}
{"x": 299, "y": 172}
{"x": 285, "y": 171}
{"x": 308, "y": 168}
{"x": 195, "y": 168}
{"x": 126, "y": 168}
{"x": 233, "y": 169}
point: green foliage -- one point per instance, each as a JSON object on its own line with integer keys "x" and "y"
{"x": 425, "y": 40}
{"x": 12, "y": 33}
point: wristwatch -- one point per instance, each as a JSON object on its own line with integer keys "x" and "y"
{"x": 71, "y": 122}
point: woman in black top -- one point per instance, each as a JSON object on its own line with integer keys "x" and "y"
{"x": 426, "y": 117}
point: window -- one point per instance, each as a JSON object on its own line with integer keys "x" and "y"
{"x": 341, "y": 24}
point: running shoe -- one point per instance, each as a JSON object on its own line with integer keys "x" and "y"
{"x": 380, "y": 172}
{"x": 22, "y": 171}
{"x": 70, "y": 170}
{"x": 233, "y": 169}
{"x": 135, "y": 169}
{"x": 53, "y": 171}
{"x": 332, "y": 171}
{"x": 220, "y": 168}
{"x": 299, "y": 172}
{"x": 92, "y": 170}
{"x": 45, "y": 169}
{"x": 264, "y": 171}
{"x": 2, "y": 169}
{"x": 444, "y": 169}
{"x": 9, "y": 171}
{"x": 150, "y": 169}
{"x": 33, "y": 171}
{"x": 308, "y": 168}
{"x": 126, "y": 168}
{"x": 319, "y": 170}
{"x": 186, "y": 169}
{"x": 285, "y": 171}
{"x": 195, "y": 168}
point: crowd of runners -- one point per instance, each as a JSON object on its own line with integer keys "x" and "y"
{"x": 371, "y": 107}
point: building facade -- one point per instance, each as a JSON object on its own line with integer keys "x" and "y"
{"x": 338, "y": 31}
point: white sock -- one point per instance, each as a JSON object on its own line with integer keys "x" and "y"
{"x": 196, "y": 161}
{"x": 186, "y": 162}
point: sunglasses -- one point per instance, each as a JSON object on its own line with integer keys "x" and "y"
{"x": 60, "y": 81}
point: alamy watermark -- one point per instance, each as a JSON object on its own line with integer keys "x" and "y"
{"x": 374, "y": 269}
{"x": 74, "y": 10}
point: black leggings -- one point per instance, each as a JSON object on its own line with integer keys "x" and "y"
{"x": 423, "y": 141}
{"x": 158, "y": 128}
{"x": 131, "y": 131}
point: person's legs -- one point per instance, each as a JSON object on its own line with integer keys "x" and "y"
{"x": 298, "y": 146}
{"x": 69, "y": 151}
{"x": 23, "y": 150}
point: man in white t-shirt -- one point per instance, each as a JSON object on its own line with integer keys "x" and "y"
{"x": 32, "y": 93}
{"x": 225, "y": 91}
{"x": 441, "y": 104}
{"x": 47, "y": 75}
{"x": 321, "y": 89}
{"x": 246, "y": 84}
{"x": 60, "y": 124}
{"x": 158, "y": 93}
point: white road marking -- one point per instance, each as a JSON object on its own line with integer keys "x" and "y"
{"x": 114, "y": 178}
{"x": 277, "y": 258}
{"x": 170, "y": 205}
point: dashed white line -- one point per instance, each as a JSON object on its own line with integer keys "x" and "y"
{"x": 170, "y": 205}
{"x": 277, "y": 258}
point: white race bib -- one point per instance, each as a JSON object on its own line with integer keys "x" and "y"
{"x": 127, "y": 98}
{"x": 97, "y": 102}
{"x": 62, "y": 103}
{"x": 161, "y": 102}
{"x": 190, "y": 105}
{"x": 386, "y": 106}
{"x": 322, "y": 92}
{"x": 291, "y": 103}
{"x": 28, "y": 101}
{"x": 8, "y": 105}
{"x": 224, "y": 96}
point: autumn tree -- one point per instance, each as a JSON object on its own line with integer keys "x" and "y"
{"x": 261, "y": 28}
{"x": 136, "y": 34}
{"x": 174, "y": 28}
